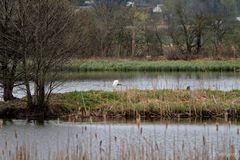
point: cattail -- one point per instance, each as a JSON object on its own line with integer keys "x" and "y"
{"x": 204, "y": 140}
{"x": 141, "y": 130}
{"x": 16, "y": 134}
{"x": 82, "y": 129}
{"x": 217, "y": 126}
{"x": 156, "y": 146}
{"x": 183, "y": 146}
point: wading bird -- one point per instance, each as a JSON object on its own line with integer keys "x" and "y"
{"x": 116, "y": 83}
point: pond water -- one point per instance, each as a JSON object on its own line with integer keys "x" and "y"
{"x": 145, "y": 80}
{"x": 119, "y": 139}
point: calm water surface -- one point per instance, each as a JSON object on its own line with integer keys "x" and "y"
{"x": 145, "y": 80}
{"x": 112, "y": 138}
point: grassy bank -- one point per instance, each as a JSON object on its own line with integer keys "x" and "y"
{"x": 144, "y": 65}
{"x": 130, "y": 104}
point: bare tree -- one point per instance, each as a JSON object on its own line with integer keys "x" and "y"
{"x": 111, "y": 19}
{"x": 49, "y": 35}
{"x": 220, "y": 27}
{"x": 187, "y": 25}
{"x": 9, "y": 48}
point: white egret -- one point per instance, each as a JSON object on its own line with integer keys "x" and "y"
{"x": 116, "y": 83}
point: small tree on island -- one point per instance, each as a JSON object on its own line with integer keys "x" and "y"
{"x": 37, "y": 36}
{"x": 52, "y": 26}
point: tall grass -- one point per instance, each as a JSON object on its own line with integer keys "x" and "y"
{"x": 150, "y": 103}
{"x": 133, "y": 103}
{"x": 140, "y": 65}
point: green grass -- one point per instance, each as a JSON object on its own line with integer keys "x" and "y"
{"x": 141, "y": 65}
{"x": 148, "y": 103}
{"x": 164, "y": 103}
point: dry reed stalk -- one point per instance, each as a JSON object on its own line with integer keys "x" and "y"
{"x": 147, "y": 149}
{"x": 110, "y": 144}
{"x": 138, "y": 120}
{"x": 232, "y": 152}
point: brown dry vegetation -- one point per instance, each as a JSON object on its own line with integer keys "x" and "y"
{"x": 133, "y": 103}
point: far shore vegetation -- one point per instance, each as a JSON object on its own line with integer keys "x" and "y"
{"x": 134, "y": 104}
{"x": 125, "y": 65}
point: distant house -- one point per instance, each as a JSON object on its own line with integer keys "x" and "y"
{"x": 238, "y": 19}
{"x": 158, "y": 8}
{"x": 85, "y": 5}
{"x": 88, "y": 3}
{"x": 130, "y": 4}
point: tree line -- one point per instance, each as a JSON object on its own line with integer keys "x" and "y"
{"x": 184, "y": 29}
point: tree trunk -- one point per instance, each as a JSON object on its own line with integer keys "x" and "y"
{"x": 133, "y": 41}
{"x": 199, "y": 44}
{"x": 41, "y": 97}
{"x": 26, "y": 83}
{"x": 7, "y": 92}
{"x": 40, "y": 103}
{"x": 8, "y": 80}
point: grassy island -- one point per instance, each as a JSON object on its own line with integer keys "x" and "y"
{"x": 134, "y": 103}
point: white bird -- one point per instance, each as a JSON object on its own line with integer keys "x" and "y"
{"x": 116, "y": 83}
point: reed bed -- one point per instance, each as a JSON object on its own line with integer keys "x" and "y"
{"x": 142, "y": 65}
{"x": 128, "y": 142}
{"x": 150, "y": 103}
{"x": 133, "y": 103}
